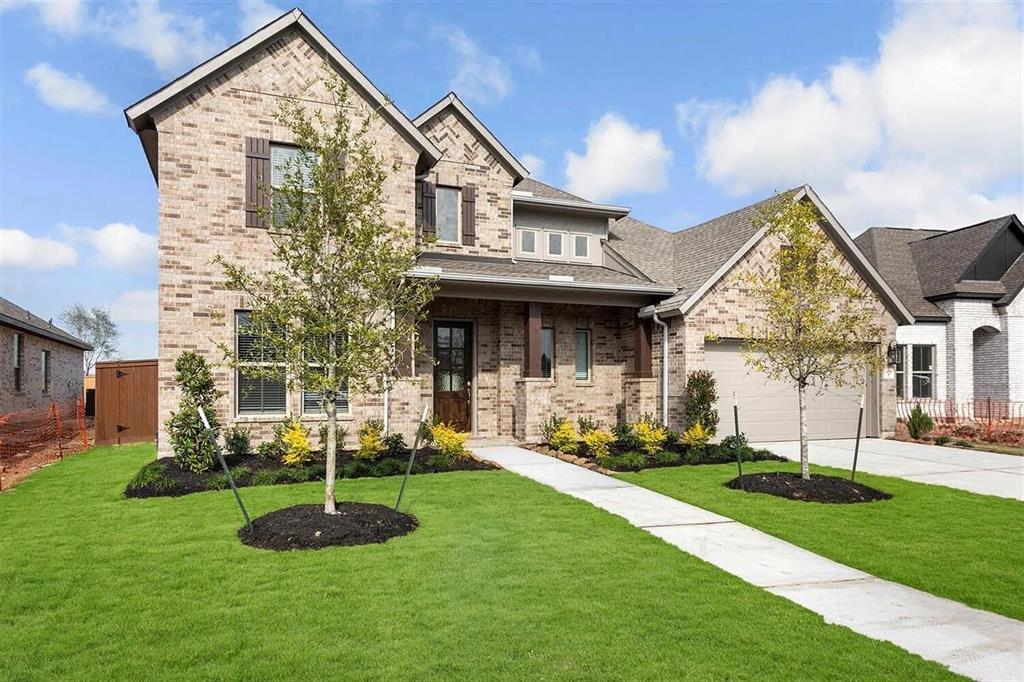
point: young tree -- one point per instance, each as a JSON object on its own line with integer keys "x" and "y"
{"x": 818, "y": 326}
{"x": 95, "y": 327}
{"x": 338, "y": 307}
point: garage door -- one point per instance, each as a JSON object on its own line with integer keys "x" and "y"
{"x": 769, "y": 409}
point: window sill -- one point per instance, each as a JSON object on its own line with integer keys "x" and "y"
{"x": 342, "y": 417}
{"x": 260, "y": 418}
{"x": 584, "y": 384}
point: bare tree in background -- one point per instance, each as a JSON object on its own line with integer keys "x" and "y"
{"x": 96, "y": 327}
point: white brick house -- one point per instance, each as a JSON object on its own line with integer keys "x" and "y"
{"x": 964, "y": 288}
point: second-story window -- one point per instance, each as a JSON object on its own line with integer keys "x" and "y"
{"x": 284, "y": 160}
{"x": 581, "y": 246}
{"x": 448, "y": 214}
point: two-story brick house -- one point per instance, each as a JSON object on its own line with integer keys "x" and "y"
{"x": 547, "y": 302}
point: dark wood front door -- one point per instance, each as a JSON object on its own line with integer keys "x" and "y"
{"x": 453, "y": 373}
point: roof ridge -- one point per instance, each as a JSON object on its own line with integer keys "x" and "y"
{"x": 738, "y": 210}
{"x": 967, "y": 227}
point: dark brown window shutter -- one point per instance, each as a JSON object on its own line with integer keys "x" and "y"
{"x": 532, "y": 366}
{"x": 642, "y": 348}
{"x": 339, "y": 167}
{"x": 469, "y": 215}
{"x": 257, "y": 181}
{"x": 429, "y": 194}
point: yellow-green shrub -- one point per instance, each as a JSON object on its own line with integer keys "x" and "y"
{"x": 371, "y": 440}
{"x": 598, "y": 441}
{"x": 650, "y": 436}
{"x": 565, "y": 439}
{"x": 449, "y": 442}
{"x": 696, "y": 436}
{"x": 295, "y": 440}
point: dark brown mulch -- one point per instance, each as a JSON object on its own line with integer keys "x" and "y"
{"x": 306, "y": 526}
{"x": 827, "y": 489}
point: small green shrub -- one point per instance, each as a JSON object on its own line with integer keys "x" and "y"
{"x": 192, "y": 447}
{"x": 217, "y": 482}
{"x": 919, "y": 423}
{"x": 270, "y": 451}
{"x": 625, "y": 437}
{"x": 268, "y": 476}
{"x": 240, "y": 473}
{"x": 585, "y": 425}
{"x": 153, "y": 477}
{"x": 340, "y": 434}
{"x": 701, "y": 394}
{"x": 357, "y": 468}
{"x": 565, "y": 439}
{"x": 549, "y": 426}
{"x": 729, "y": 443}
{"x": 394, "y": 445}
{"x": 598, "y": 443}
{"x": 942, "y": 440}
{"x": 630, "y": 460}
{"x": 237, "y": 441}
{"x": 668, "y": 457}
{"x": 388, "y": 467}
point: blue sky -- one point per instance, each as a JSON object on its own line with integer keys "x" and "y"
{"x": 896, "y": 114}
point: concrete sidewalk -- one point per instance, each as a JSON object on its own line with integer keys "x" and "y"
{"x": 987, "y": 473}
{"x": 979, "y": 644}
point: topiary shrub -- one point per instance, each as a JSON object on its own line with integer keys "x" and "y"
{"x": 919, "y": 423}
{"x": 565, "y": 439}
{"x": 191, "y": 445}
{"x": 701, "y": 394}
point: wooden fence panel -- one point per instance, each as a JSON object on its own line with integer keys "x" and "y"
{"x": 126, "y": 401}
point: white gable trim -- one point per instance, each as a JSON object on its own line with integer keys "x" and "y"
{"x": 138, "y": 113}
{"x": 452, "y": 100}
{"x": 847, "y": 245}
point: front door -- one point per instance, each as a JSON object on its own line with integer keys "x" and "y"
{"x": 453, "y": 373}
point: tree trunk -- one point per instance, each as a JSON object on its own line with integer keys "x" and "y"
{"x": 805, "y": 466}
{"x": 330, "y": 456}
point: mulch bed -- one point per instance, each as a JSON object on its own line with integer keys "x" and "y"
{"x": 826, "y": 489}
{"x": 306, "y": 526}
{"x": 710, "y": 455}
{"x": 177, "y": 481}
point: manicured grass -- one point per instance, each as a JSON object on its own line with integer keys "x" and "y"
{"x": 504, "y": 579}
{"x": 991, "y": 447}
{"x": 951, "y": 543}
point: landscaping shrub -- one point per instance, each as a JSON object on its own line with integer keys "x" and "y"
{"x": 696, "y": 436}
{"x": 270, "y": 450}
{"x": 919, "y": 423}
{"x": 371, "y": 440}
{"x": 729, "y": 443}
{"x": 394, "y": 445}
{"x": 701, "y": 394}
{"x": 240, "y": 473}
{"x": 942, "y": 440}
{"x": 192, "y": 448}
{"x": 625, "y": 437}
{"x": 449, "y": 443}
{"x": 217, "y": 482}
{"x": 668, "y": 457}
{"x": 585, "y": 425}
{"x": 237, "y": 441}
{"x": 340, "y": 434}
{"x": 151, "y": 477}
{"x": 649, "y": 436}
{"x": 355, "y": 469}
{"x": 296, "y": 445}
{"x": 598, "y": 442}
{"x": 268, "y": 476}
{"x": 565, "y": 439}
{"x": 630, "y": 460}
{"x": 388, "y": 467}
{"x": 549, "y": 426}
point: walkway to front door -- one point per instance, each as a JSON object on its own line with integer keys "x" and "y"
{"x": 453, "y": 373}
{"x": 979, "y": 644}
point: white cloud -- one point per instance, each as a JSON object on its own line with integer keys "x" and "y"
{"x": 64, "y": 91}
{"x": 927, "y": 134}
{"x": 534, "y": 164}
{"x": 479, "y": 75}
{"x": 65, "y": 17}
{"x": 117, "y": 245}
{"x": 620, "y": 158}
{"x": 18, "y": 249}
{"x": 139, "y": 305}
{"x": 255, "y": 14}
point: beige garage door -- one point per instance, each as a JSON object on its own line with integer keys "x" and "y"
{"x": 769, "y": 409}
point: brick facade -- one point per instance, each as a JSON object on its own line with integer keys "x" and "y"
{"x": 66, "y": 372}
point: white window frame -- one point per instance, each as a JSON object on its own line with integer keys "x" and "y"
{"x": 548, "y": 234}
{"x": 273, "y": 187}
{"x": 575, "y": 256}
{"x": 930, "y": 373}
{"x": 458, "y": 214}
{"x": 238, "y": 376}
{"x": 538, "y": 236}
{"x": 590, "y": 356}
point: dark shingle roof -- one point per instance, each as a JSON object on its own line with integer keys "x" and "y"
{"x": 539, "y": 189}
{"x": 930, "y": 264}
{"x": 646, "y": 247}
{"x": 15, "y": 316}
{"x": 531, "y": 270}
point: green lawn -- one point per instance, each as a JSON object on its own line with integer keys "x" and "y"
{"x": 504, "y": 578}
{"x": 951, "y": 543}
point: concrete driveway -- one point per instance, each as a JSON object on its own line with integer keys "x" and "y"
{"x": 987, "y": 473}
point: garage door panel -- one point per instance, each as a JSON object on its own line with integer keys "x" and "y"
{"x": 769, "y": 409}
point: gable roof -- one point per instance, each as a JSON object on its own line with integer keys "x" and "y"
{"x": 929, "y": 265}
{"x": 15, "y": 316}
{"x": 452, "y": 100}
{"x": 138, "y": 115}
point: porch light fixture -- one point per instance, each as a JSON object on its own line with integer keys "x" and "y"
{"x": 894, "y": 354}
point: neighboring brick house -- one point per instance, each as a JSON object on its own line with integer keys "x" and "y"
{"x": 964, "y": 289}
{"x": 547, "y": 302}
{"x": 39, "y": 362}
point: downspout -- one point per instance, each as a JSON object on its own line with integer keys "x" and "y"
{"x": 664, "y": 368}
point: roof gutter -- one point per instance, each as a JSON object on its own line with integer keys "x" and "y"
{"x": 551, "y": 283}
{"x": 603, "y": 210}
{"x": 664, "y": 368}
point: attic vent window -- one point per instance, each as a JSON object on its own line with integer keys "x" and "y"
{"x": 561, "y": 278}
